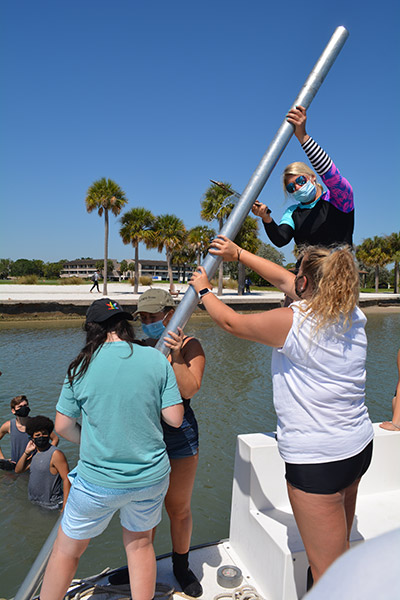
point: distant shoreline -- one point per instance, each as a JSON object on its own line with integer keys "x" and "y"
{"x": 69, "y": 302}
{"x": 56, "y": 316}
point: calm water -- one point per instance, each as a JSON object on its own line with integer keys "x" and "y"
{"x": 235, "y": 398}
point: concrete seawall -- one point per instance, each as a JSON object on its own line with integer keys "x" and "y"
{"x": 37, "y": 301}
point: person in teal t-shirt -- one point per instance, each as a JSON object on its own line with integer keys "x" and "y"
{"x": 120, "y": 390}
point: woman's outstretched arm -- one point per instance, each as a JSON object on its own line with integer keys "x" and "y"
{"x": 270, "y": 328}
{"x": 275, "y": 274}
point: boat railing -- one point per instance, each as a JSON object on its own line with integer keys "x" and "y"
{"x": 34, "y": 577}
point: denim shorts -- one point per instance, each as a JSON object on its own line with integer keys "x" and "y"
{"x": 182, "y": 441}
{"x": 90, "y": 507}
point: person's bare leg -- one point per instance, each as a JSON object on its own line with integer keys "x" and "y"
{"x": 177, "y": 504}
{"x": 177, "y": 501}
{"x": 141, "y": 563}
{"x": 350, "y": 498}
{"x": 321, "y": 520}
{"x": 62, "y": 566}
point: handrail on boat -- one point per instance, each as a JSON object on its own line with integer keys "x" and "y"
{"x": 34, "y": 577}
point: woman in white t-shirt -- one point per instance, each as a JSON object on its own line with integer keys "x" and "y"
{"x": 318, "y": 371}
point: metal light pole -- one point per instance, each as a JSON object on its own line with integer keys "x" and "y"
{"x": 260, "y": 176}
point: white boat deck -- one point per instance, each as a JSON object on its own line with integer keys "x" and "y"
{"x": 205, "y": 562}
{"x": 264, "y": 542}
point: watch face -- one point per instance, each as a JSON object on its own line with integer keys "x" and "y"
{"x": 203, "y": 291}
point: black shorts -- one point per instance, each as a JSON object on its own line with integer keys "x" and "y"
{"x": 330, "y": 477}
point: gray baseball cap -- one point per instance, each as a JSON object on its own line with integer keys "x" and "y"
{"x": 153, "y": 301}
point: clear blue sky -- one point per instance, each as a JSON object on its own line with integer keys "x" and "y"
{"x": 162, "y": 96}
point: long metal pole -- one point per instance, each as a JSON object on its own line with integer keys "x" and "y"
{"x": 260, "y": 175}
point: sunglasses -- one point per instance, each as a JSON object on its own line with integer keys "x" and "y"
{"x": 300, "y": 180}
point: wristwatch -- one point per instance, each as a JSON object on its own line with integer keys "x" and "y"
{"x": 203, "y": 292}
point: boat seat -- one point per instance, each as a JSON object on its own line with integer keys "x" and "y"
{"x": 263, "y": 532}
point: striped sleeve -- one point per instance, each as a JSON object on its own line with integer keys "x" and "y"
{"x": 319, "y": 159}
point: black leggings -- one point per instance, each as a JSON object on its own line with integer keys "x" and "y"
{"x": 331, "y": 477}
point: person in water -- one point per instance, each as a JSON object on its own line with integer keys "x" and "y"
{"x": 121, "y": 390}
{"x": 319, "y": 217}
{"x": 48, "y": 467}
{"x": 319, "y": 346}
{"x": 17, "y": 429}
{"x": 155, "y": 310}
{"x": 394, "y": 424}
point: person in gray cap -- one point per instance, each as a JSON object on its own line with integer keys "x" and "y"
{"x": 120, "y": 390}
{"x": 155, "y": 310}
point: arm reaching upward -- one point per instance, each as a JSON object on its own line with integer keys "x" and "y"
{"x": 270, "y": 328}
{"x": 275, "y": 274}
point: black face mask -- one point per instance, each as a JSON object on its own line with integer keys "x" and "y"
{"x": 41, "y": 441}
{"x": 23, "y": 411}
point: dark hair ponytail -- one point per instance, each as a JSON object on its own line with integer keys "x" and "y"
{"x": 96, "y": 335}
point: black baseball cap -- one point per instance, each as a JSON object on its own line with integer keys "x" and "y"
{"x": 103, "y": 309}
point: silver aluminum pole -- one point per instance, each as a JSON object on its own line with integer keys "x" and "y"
{"x": 260, "y": 175}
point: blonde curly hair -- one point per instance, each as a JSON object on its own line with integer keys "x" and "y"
{"x": 334, "y": 282}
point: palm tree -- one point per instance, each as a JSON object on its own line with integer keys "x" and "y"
{"x": 168, "y": 233}
{"x": 105, "y": 195}
{"x": 373, "y": 252}
{"x": 199, "y": 238}
{"x": 248, "y": 240}
{"x": 136, "y": 228}
{"x": 214, "y": 207}
{"x": 183, "y": 256}
{"x": 393, "y": 243}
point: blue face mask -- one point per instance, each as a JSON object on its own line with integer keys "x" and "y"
{"x": 154, "y": 330}
{"x": 306, "y": 193}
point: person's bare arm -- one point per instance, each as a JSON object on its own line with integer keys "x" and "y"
{"x": 5, "y": 428}
{"x": 275, "y": 274}
{"x": 59, "y": 464}
{"x": 270, "y": 328}
{"x": 54, "y": 439}
{"x": 68, "y": 428}
{"x": 394, "y": 424}
{"x": 188, "y": 362}
{"x": 173, "y": 415}
{"x": 25, "y": 461}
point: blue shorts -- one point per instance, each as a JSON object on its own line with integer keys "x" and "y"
{"x": 90, "y": 507}
{"x": 182, "y": 441}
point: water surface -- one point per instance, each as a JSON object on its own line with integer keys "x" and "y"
{"x": 236, "y": 397}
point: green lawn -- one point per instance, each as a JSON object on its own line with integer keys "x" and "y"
{"x": 380, "y": 291}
